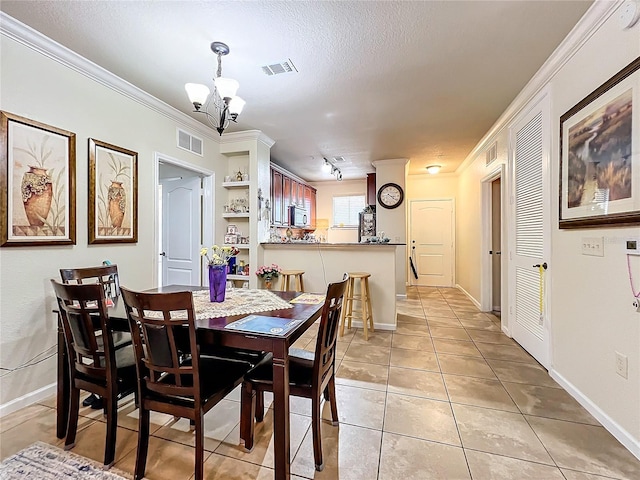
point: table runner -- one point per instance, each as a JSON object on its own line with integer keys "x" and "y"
{"x": 237, "y": 301}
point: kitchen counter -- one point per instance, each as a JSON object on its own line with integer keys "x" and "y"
{"x": 328, "y": 245}
{"x": 324, "y": 263}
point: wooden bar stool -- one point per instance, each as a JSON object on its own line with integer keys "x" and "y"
{"x": 296, "y": 275}
{"x": 365, "y": 313}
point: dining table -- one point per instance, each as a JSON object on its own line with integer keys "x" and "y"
{"x": 212, "y": 331}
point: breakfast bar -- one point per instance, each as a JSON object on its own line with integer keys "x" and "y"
{"x": 327, "y": 262}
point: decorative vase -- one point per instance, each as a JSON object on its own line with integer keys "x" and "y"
{"x": 217, "y": 282}
{"x": 37, "y": 192}
{"x": 117, "y": 203}
{"x": 267, "y": 284}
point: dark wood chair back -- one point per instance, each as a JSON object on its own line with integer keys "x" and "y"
{"x": 105, "y": 275}
{"x": 172, "y": 376}
{"x": 314, "y": 375}
{"x": 83, "y": 308}
{"x": 95, "y": 364}
{"x": 163, "y": 332}
{"x": 325, "y": 354}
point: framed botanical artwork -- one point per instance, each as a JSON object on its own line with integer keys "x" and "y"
{"x": 37, "y": 183}
{"x": 232, "y": 229}
{"x": 113, "y": 194}
{"x": 600, "y": 155}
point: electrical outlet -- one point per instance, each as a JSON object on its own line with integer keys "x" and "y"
{"x": 622, "y": 365}
{"x": 592, "y": 246}
{"x": 636, "y": 303}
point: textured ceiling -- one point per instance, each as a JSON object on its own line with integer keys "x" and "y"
{"x": 422, "y": 80}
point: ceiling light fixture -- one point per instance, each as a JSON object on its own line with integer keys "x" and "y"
{"x": 433, "y": 169}
{"x": 223, "y": 102}
{"x": 329, "y": 167}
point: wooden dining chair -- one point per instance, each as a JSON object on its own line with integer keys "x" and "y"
{"x": 95, "y": 365}
{"x": 172, "y": 376}
{"x": 107, "y": 276}
{"x": 310, "y": 374}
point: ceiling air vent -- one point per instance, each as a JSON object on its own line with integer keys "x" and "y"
{"x": 186, "y": 141}
{"x": 285, "y": 67}
{"x": 338, "y": 159}
{"x": 492, "y": 153}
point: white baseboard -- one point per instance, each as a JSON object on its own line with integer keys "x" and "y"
{"x": 475, "y": 302}
{"x": 624, "y": 437}
{"x": 28, "y": 399}
{"x": 505, "y": 330}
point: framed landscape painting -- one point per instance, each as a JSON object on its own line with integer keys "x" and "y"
{"x": 113, "y": 194}
{"x": 37, "y": 183}
{"x": 600, "y": 157}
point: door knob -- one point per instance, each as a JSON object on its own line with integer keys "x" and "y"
{"x": 163, "y": 254}
{"x": 544, "y": 265}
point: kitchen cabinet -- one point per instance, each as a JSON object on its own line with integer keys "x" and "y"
{"x": 286, "y": 198}
{"x": 371, "y": 188}
{"x": 287, "y": 191}
{"x": 277, "y": 198}
{"x": 310, "y": 204}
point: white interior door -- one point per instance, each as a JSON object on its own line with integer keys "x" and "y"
{"x": 529, "y": 323}
{"x": 181, "y": 224}
{"x": 432, "y": 242}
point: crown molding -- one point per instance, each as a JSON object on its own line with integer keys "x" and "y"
{"x": 586, "y": 27}
{"x": 27, "y": 36}
{"x": 246, "y": 135}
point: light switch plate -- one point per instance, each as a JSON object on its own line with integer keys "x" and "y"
{"x": 592, "y": 246}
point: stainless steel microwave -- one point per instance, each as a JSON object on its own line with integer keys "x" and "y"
{"x": 297, "y": 216}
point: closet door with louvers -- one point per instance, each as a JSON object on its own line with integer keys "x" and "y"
{"x": 531, "y": 203}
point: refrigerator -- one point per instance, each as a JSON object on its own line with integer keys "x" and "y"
{"x": 367, "y": 226}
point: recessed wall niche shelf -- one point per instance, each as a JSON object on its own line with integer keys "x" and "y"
{"x": 242, "y": 184}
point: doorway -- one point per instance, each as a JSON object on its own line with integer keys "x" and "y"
{"x": 492, "y": 295}
{"x": 183, "y": 201}
{"x": 432, "y": 242}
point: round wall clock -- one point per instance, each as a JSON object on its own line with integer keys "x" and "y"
{"x": 390, "y": 195}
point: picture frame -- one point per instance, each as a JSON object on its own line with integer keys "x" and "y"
{"x": 230, "y": 239}
{"x": 232, "y": 229}
{"x": 37, "y": 183}
{"x": 113, "y": 194}
{"x": 599, "y": 159}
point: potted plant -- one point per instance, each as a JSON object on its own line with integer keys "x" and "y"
{"x": 268, "y": 273}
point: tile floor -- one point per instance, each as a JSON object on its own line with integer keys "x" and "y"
{"x": 447, "y": 396}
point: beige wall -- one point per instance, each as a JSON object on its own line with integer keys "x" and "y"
{"x": 324, "y": 206}
{"x": 590, "y": 312}
{"x": 591, "y": 303}
{"x": 34, "y": 86}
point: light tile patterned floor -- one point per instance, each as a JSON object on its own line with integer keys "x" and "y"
{"x": 447, "y": 396}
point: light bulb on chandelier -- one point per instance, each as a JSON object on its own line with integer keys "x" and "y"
{"x": 225, "y": 104}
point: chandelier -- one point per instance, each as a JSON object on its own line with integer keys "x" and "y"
{"x": 222, "y": 106}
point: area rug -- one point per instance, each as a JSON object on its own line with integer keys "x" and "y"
{"x": 41, "y": 461}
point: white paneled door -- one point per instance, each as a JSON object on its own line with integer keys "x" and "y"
{"x": 181, "y": 232}
{"x": 528, "y": 296}
{"x": 431, "y": 247}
